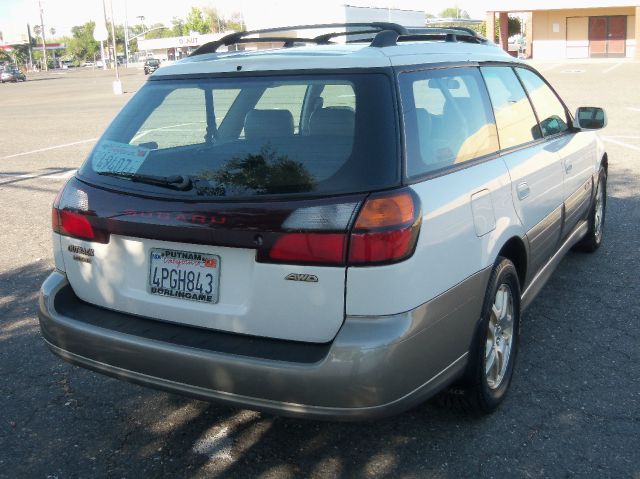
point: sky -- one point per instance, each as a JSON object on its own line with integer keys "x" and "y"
{"x": 64, "y": 14}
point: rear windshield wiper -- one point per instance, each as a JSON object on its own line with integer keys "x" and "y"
{"x": 176, "y": 182}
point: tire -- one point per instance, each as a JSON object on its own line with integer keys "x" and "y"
{"x": 593, "y": 239}
{"x": 484, "y": 388}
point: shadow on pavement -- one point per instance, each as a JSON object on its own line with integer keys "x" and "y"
{"x": 574, "y": 403}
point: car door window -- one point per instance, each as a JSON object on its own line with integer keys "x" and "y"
{"x": 447, "y": 118}
{"x": 517, "y": 124}
{"x": 551, "y": 112}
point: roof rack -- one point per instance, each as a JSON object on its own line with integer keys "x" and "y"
{"x": 386, "y": 35}
{"x": 246, "y": 37}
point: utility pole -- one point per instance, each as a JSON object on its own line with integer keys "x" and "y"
{"x": 44, "y": 45}
{"x": 106, "y": 23}
{"x": 126, "y": 35}
{"x": 29, "y": 39}
{"x": 117, "y": 84}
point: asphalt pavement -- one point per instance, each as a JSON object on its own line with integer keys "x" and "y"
{"x": 574, "y": 406}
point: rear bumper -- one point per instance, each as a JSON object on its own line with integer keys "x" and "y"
{"x": 375, "y": 366}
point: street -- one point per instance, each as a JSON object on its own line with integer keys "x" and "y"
{"x": 574, "y": 406}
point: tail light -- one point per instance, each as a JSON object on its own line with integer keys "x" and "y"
{"x": 71, "y": 216}
{"x": 384, "y": 231}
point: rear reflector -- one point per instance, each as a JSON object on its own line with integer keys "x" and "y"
{"x": 383, "y": 247}
{"x": 75, "y": 224}
{"x": 310, "y": 248}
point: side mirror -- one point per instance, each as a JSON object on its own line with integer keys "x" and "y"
{"x": 590, "y": 118}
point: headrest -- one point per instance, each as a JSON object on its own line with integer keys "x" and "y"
{"x": 424, "y": 121}
{"x": 268, "y": 123}
{"x": 332, "y": 121}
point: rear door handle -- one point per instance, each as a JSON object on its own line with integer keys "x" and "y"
{"x": 568, "y": 167}
{"x": 523, "y": 190}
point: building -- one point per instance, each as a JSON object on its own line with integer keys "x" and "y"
{"x": 174, "y": 48}
{"x": 559, "y": 29}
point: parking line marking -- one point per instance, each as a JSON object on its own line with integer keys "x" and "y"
{"x": 632, "y": 108}
{"x": 620, "y": 143}
{"x": 48, "y": 148}
{"x": 548, "y": 68}
{"x": 610, "y": 69}
{"x": 59, "y": 176}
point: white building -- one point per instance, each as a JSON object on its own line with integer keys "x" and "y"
{"x": 175, "y": 48}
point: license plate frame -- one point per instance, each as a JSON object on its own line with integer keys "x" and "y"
{"x": 167, "y": 284}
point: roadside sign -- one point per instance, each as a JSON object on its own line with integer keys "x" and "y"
{"x": 100, "y": 33}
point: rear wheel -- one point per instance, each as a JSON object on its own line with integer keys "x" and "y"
{"x": 493, "y": 353}
{"x": 593, "y": 238}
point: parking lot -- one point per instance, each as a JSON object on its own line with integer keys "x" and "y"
{"x": 574, "y": 406}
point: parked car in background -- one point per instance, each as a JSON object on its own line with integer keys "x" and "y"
{"x": 12, "y": 75}
{"x": 151, "y": 65}
{"x": 324, "y": 230}
{"x": 517, "y": 45}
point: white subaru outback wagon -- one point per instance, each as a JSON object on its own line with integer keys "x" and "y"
{"x": 322, "y": 229}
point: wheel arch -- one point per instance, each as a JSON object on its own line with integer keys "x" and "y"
{"x": 515, "y": 250}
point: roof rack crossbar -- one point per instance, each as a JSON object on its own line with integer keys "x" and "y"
{"x": 426, "y": 30}
{"x": 234, "y": 38}
{"x": 457, "y": 34}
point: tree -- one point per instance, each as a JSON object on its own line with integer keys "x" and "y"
{"x": 157, "y": 30}
{"x": 119, "y": 30}
{"x": 454, "y": 12}
{"x": 515, "y": 26}
{"x": 37, "y": 31}
{"x": 235, "y": 22}
{"x": 82, "y": 45}
{"x": 214, "y": 20}
{"x": 177, "y": 28}
{"x": 196, "y": 22}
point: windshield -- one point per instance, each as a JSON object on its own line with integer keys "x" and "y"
{"x": 153, "y": 63}
{"x": 244, "y": 137}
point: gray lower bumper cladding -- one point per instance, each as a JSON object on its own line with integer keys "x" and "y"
{"x": 375, "y": 366}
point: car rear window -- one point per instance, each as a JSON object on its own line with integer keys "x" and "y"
{"x": 254, "y": 136}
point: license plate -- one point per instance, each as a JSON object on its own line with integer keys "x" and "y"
{"x": 184, "y": 275}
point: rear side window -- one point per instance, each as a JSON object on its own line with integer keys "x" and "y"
{"x": 447, "y": 118}
{"x": 516, "y": 121}
{"x": 551, "y": 113}
{"x": 243, "y": 137}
